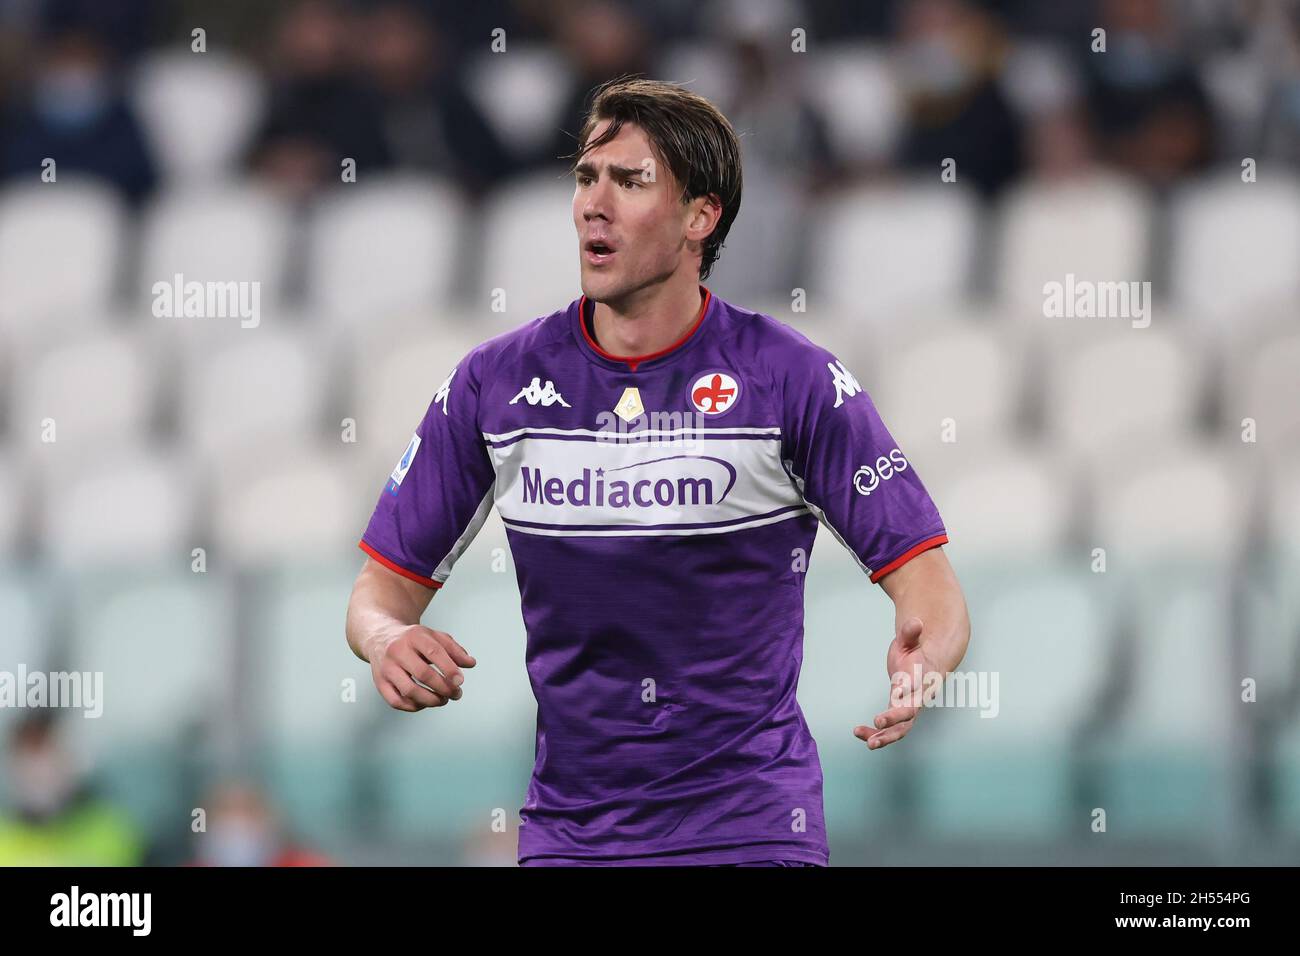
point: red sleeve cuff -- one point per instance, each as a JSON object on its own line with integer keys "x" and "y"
{"x": 394, "y": 566}
{"x": 908, "y": 555}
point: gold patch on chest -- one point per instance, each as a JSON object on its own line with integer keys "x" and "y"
{"x": 629, "y": 406}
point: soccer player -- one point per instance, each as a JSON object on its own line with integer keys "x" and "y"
{"x": 660, "y": 458}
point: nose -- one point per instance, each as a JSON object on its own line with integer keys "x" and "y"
{"x": 596, "y": 202}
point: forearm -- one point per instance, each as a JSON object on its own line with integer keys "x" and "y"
{"x": 927, "y": 588}
{"x": 381, "y": 606}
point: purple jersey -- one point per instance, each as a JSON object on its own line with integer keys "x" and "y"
{"x": 660, "y": 511}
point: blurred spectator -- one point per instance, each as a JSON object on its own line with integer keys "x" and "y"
{"x": 601, "y": 40}
{"x": 949, "y": 57}
{"x": 75, "y": 114}
{"x": 1274, "y": 52}
{"x": 1060, "y": 144}
{"x": 781, "y": 131}
{"x": 428, "y": 120}
{"x": 320, "y": 111}
{"x": 1147, "y": 103}
{"x": 242, "y": 830}
{"x": 55, "y": 819}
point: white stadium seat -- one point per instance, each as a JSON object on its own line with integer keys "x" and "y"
{"x": 280, "y": 501}
{"x": 385, "y": 246}
{"x": 267, "y": 383}
{"x": 126, "y": 505}
{"x": 60, "y": 248}
{"x": 964, "y": 370}
{"x": 1119, "y": 382}
{"x": 235, "y": 233}
{"x": 854, "y": 88}
{"x": 14, "y": 506}
{"x": 1157, "y": 498}
{"x": 1263, "y": 383}
{"x": 698, "y": 67}
{"x": 881, "y": 251}
{"x": 1235, "y": 246}
{"x": 1097, "y": 228}
{"x": 1006, "y": 502}
{"x": 529, "y": 249}
{"x": 98, "y": 389}
{"x": 26, "y": 638}
{"x": 521, "y": 92}
{"x": 1043, "y": 636}
{"x": 200, "y": 112}
{"x": 165, "y": 645}
{"x": 1172, "y": 518}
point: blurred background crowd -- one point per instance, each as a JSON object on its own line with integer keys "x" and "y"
{"x": 1123, "y": 502}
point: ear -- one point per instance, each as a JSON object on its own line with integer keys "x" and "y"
{"x": 703, "y": 215}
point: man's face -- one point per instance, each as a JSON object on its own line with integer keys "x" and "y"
{"x": 632, "y": 225}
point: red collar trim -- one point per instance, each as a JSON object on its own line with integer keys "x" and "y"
{"x": 632, "y": 361}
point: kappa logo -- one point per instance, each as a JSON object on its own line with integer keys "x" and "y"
{"x": 714, "y": 393}
{"x": 846, "y": 386}
{"x": 440, "y": 396}
{"x": 537, "y": 394}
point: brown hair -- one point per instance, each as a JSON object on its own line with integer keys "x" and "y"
{"x": 690, "y": 135}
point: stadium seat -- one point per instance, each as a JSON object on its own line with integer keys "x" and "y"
{"x": 529, "y": 249}
{"x": 1172, "y": 520}
{"x": 60, "y": 245}
{"x": 383, "y": 246}
{"x": 275, "y": 501}
{"x": 164, "y": 642}
{"x": 1097, "y": 229}
{"x": 963, "y": 370}
{"x": 397, "y": 368}
{"x": 521, "y": 93}
{"x": 1263, "y": 383}
{"x": 848, "y": 624}
{"x": 313, "y": 700}
{"x": 445, "y": 772}
{"x": 756, "y": 260}
{"x": 1039, "y": 78}
{"x": 853, "y": 87}
{"x": 14, "y": 505}
{"x": 122, "y": 504}
{"x": 267, "y": 384}
{"x": 215, "y": 233}
{"x": 1235, "y": 246}
{"x": 1002, "y": 501}
{"x": 199, "y": 112}
{"x": 698, "y": 67}
{"x": 1121, "y": 381}
{"x": 1041, "y": 630}
{"x": 25, "y": 640}
{"x": 97, "y": 389}
{"x": 1275, "y": 634}
{"x": 879, "y": 250}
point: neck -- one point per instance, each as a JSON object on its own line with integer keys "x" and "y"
{"x": 649, "y": 320}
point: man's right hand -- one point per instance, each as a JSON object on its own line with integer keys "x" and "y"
{"x": 413, "y": 655}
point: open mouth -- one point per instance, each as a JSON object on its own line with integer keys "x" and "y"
{"x": 597, "y": 252}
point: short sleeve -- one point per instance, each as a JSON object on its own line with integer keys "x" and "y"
{"x": 440, "y": 492}
{"x": 848, "y": 467}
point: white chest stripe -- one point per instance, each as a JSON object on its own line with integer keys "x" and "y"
{"x": 565, "y": 482}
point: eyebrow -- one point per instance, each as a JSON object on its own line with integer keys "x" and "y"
{"x": 618, "y": 172}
